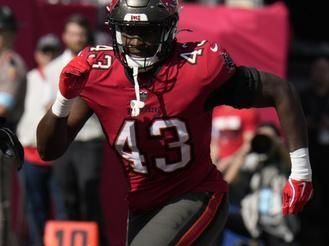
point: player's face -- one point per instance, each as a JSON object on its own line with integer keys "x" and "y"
{"x": 75, "y": 37}
{"x": 141, "y": 41}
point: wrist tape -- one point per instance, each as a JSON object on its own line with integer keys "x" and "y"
{"x": 300, "y": 165}
{"x": 62, "y": 106}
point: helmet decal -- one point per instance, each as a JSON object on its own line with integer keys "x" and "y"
{"x": 135, "y": 17}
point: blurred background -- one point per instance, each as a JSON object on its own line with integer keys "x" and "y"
{"x": 288, "y": 38}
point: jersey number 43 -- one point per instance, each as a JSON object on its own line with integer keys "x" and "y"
{"x": 127, "y": 138}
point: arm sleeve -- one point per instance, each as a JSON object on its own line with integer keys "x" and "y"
{"x": 239, "y": 91}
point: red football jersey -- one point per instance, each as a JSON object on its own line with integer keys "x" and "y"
{"x": 165, "y": 150}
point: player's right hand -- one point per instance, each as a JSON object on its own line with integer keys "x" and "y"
{"x": 295, "y": 195}
{"x": 75, "y": 74}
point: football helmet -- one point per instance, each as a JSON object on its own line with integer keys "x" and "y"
{"x": 143, "y": 31}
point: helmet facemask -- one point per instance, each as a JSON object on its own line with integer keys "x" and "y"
{"x": 143, "y": 44}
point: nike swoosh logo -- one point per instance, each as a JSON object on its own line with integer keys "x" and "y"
{"x": 293, "y": 192}
{"x": 215, "y": 48}
{"x": 303, "y": 189}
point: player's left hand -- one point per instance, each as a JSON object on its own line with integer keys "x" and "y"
{"x": 75, "y": 74}
{"x": 295, "y": 195}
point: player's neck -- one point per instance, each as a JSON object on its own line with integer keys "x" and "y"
{"x": 145, "y": 77}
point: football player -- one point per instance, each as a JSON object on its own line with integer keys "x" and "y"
{"x": 154, "y": 98}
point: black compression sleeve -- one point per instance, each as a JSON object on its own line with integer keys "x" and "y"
{"x": 239, "y": 91}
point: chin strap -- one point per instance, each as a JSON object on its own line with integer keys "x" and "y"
{"x": 137, "y": 104}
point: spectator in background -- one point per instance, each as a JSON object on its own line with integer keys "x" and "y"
{"x": 40, "y": 188}
{"x": 232, "y": 130}
{"x": 256, "y": 184}
{"x": 315, "y": 101}
{"x": 78, "y": 171}
{"x": 12, "y": 93}
{"x": 12, "y": 71}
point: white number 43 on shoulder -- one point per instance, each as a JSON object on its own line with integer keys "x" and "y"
{"x": 191, "y": 57}
{"x": 106, "y": 62}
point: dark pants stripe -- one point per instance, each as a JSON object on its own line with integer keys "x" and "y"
{"x": 203, "y": 221}
{"x": 193, "y": 217}
{"x": 213, "y": 232}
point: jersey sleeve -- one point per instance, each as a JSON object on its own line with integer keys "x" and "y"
{"x": 219, "y": 65}
{"x": 101, "y": 58}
